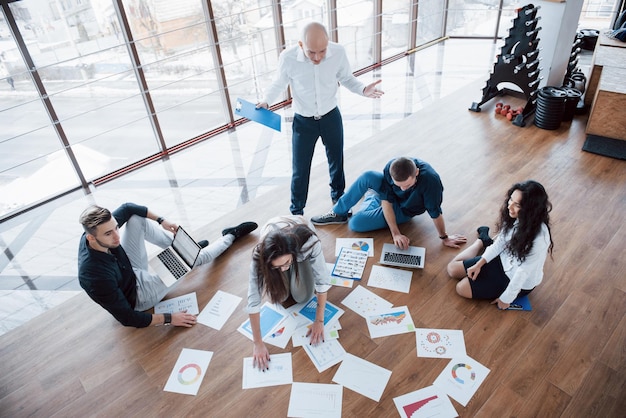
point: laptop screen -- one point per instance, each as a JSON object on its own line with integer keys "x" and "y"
{"x": 185, "y": 246}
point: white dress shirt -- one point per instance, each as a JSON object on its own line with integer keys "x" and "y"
{"x": 522, "y": 275}
{"x": 313, "y": 87}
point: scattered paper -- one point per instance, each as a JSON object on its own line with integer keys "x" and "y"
{"x": 363, "y": 377}
{"x": 281, "y": 334}
{"x": 365, "y": 302}
{"x": 187, "y": 302}
{"x": 271, "y": 317}
{"x": 390, "y": 322}
{"x": 188, "y": 371}
{"x": 425, "y": 403}
{"x": 390, "y": 278}
{"x": 362, "y": 244}
{"x": 336, "y": 280}
{"x": 439, "y": 343}
{"x": 350, "y": 264}
{"x": 299, "y": 337}
{"x": 315, "y": 400}
{"x": 326, "y": 354}
{"x": 279, "y": 372}
{"x": 461, "y": 378}
{"x": 218, "y": 310}
{"x": 331, "y": 312}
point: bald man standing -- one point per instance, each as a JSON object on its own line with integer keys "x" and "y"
{"x": 314, "y": 69}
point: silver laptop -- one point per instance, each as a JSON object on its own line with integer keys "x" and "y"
{"x": 176, "y": 260}
{"x": 412, "y": 257}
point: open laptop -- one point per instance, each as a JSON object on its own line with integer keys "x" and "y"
{"x": 412, "y": 257}
{"x": 176, "y": 260}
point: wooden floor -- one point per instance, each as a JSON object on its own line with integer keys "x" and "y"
{"x": 567, "y": 357}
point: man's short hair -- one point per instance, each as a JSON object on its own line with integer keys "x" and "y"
{"x": 402, "y": 168}
{"x": 92, "y": 217}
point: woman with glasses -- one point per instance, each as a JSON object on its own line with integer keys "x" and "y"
{"x": 288, "y": 266}
{"x": 511, "y": 264}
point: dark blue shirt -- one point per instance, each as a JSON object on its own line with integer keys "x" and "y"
{"x": 425, "y": 196}
{"x": 108, "y": 278}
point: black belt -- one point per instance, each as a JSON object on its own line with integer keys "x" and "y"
{"x": 318, "y": 117}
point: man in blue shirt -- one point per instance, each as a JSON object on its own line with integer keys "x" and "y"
{"x": 313, "y": 70}
{"x": 407, "y": 187}
{"x": 113, "y": 268}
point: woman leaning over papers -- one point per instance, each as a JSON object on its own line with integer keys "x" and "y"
{"x": 287, "y": 262}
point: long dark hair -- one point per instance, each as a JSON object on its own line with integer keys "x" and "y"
{"x": 288, "y": 240}
{"x": 535, "y": 211}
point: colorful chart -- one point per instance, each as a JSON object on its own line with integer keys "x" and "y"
{"x": 462, "y": 366}
{"x": 361, "y": 245}
{"x": 181, "y": 378}
{"x": 412, "y": 408}
{"x": 436, "y": 343}
{"x": 278, "y": 333}
{"x": 383, "y": 319}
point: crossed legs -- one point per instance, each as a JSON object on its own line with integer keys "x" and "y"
{"x": 456, "y": 269}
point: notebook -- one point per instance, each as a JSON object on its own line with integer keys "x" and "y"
{"x": 263, "y": 116}
{"x": 412, "y": 257}
{"x": 176, "y": 260}
{"x": 520, "y": 304}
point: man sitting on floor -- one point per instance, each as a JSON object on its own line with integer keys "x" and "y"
{"x": 407, "y": 187}
{"x": 113, "y": 268}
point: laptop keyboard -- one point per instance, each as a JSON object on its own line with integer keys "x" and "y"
{"x": 408, "y": 259}
{"x": 172, "y": 263}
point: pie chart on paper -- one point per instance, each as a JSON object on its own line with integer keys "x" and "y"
{"x": 360, "y": 245}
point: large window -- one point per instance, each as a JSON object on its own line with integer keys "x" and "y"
{"x": 79, "y": 103}
{"x": 356, "y": 30}
{"x": 430, "y": 19}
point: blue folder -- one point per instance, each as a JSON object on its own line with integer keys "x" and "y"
{"x": 263, "y": 116}
{"x": 520, "y": 304}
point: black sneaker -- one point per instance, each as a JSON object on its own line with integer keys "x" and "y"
{"x": 483, "y": 235}
{"x": 329, "y": 218}
{"x": 203, "y": 244}
{"x": 240, "y": 230}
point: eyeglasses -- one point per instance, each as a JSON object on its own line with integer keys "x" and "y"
{"x": 283, "y": 266}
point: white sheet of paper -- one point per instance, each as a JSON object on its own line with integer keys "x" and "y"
{"x": 350, "y": 264}
{"x": 363, "y": 244}
{"x": 271, "y": 316}
{"x": 425, "y": 403}
{"x": 390, "y": 278}
{"x": 218, "y": 310}
{"x": 188, "y": 371}
{"x": 390, "y": 321}
{"x": 363, "y": 377}
{"x": 188, "y": 302}
{"x": 336, "y": 280}
{"x": 279, "y": 372}
{"x": 364, "y": 302}
{"x": 304, "y": 313}
{"x": 281, "y": 335}
{"x": 326, "y": 354}
{"x": 299, "y": 338}
{"x": 439, "y": 343}
{"x": 315, "y": 400}
{"x": 461, "y": 378}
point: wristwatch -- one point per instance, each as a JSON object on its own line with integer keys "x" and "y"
{"x": 168, "y": 318}
{"x": 160, "y": 220}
